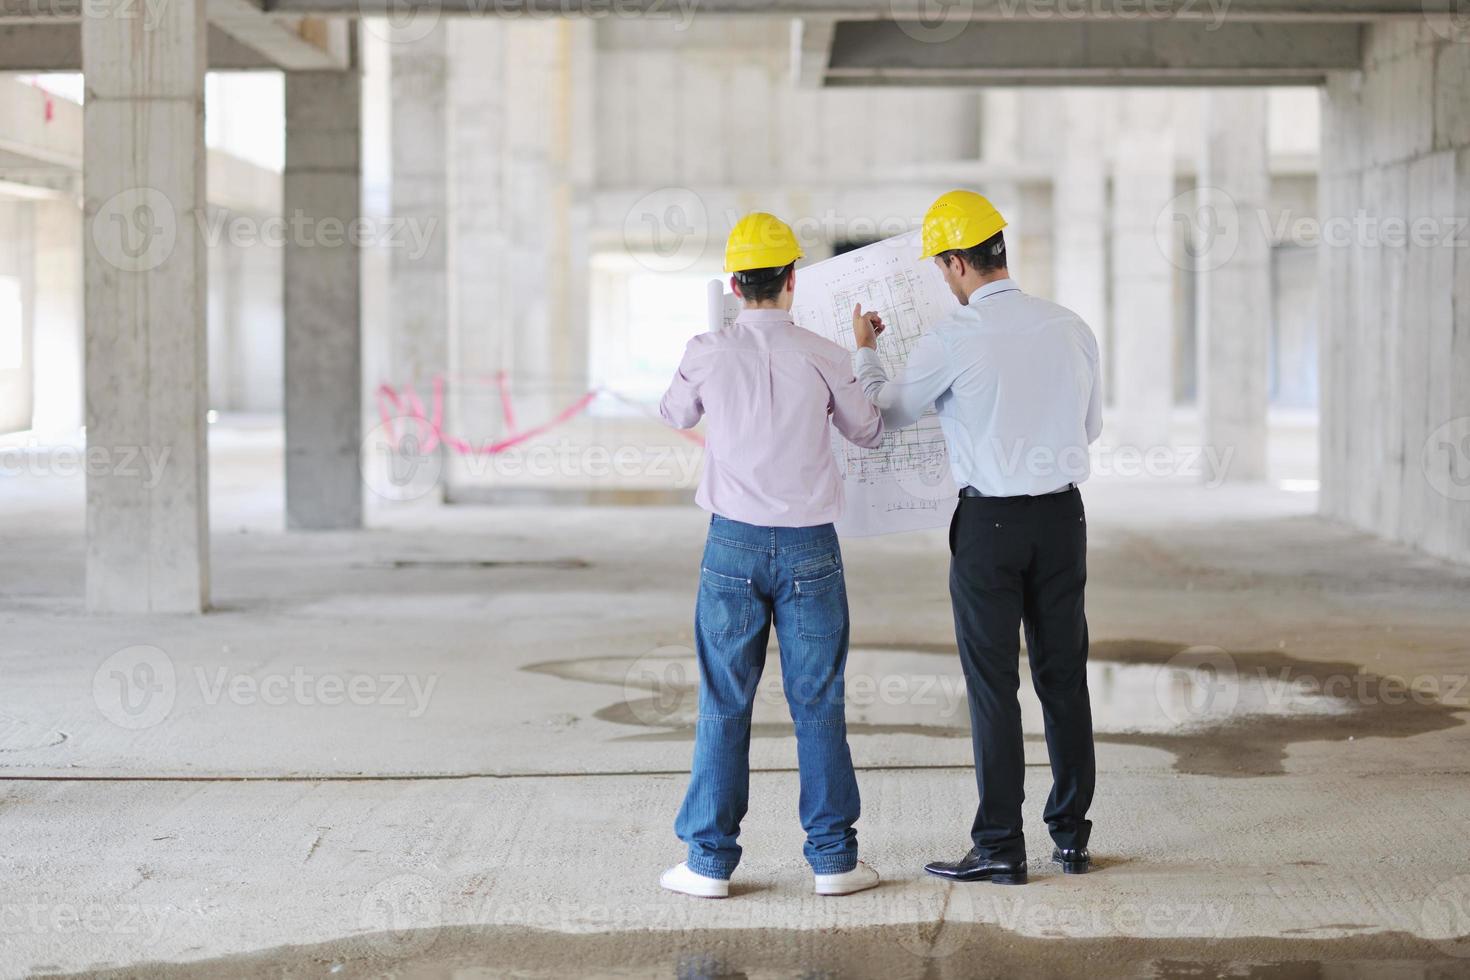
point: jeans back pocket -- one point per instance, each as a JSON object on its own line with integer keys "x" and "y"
{"x": 821, "y": 603}
{"x": 724, "y": 603}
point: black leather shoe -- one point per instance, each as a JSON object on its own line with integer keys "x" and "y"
{"x": 976, "y": 867}
{"x": 1074, "y": 860}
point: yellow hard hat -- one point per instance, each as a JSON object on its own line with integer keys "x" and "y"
{"x": 959, "y": 219}
{"x": 760, "y": 241}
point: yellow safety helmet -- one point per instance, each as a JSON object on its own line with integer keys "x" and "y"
{"x": 959, "y": 219}
{"x": 760, "y": 241}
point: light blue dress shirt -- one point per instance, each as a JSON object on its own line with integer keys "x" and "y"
{"x": 1015, "y": 382}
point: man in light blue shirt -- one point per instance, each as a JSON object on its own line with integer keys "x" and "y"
{"x": 1015, "y": 382}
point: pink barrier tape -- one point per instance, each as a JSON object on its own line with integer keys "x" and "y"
{"x": 407, "y": 404}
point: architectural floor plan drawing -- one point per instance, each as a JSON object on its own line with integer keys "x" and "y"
{"x": 904, "y": 484}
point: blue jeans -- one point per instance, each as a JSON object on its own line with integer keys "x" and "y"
{"x": 750, "y": 576}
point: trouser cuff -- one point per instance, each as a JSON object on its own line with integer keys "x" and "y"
{"x": 710, "y": 869}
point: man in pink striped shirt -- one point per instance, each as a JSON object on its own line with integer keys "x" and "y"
{"x": 770, "y": 391}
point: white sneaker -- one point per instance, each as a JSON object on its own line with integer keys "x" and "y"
{"x": 860, "y": 878}
{"x": 680, "y": 879}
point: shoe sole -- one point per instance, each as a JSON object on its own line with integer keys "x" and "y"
{"x": 1073, "y": 867}
{"x": 694, "y": 894}
{"x": 994, "y": 879}
{"x": 834, "y": 893}
{"x": 680, "y": 891}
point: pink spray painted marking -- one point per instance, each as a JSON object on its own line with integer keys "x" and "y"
{"x": 393, "y": 404}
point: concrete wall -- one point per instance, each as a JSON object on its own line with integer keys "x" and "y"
{"x": 1395, "y": 185}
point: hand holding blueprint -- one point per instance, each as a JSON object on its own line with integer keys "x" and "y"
{"x": 905, "y": 484}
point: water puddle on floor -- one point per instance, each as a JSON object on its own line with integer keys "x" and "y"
{"x": 918, "y": 951}
{"x": 1219, "y": 712}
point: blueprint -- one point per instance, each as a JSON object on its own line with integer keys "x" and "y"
{"x": 905, "y": 484}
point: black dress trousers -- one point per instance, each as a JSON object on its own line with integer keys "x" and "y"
{"x": 1022, "y": 561}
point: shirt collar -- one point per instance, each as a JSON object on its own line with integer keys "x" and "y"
{"x": 760, "y": 318}
{"x": 991, "y": 288}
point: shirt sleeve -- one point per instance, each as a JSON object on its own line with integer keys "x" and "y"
{"x": 1094, "y": 403}
{"x": 855, "y": 417}
{"x": 681, "y": 406}
{"x": 926, "y": 375}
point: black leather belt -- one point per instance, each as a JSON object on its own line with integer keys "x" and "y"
{"x": 972, "y": 492}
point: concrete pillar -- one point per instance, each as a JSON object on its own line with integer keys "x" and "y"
{"x": 1079, "y": 210}
{"x": 1233, "y": 298}
{"x": 419, "y": 348}
{"x": 478, "y": 321}
{"x": 1143, "y": 288}
{"x": 144, "y": 270}
{"x": 58, "y": 332}
{"x": 322, "y": 191}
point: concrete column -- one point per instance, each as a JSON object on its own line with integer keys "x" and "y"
{"x": 322, "y": 191}
{"x": 1143, "y": 281}
{"x": 144, "y": 270}
{"x": 419, "y": 349}
{"x": 1079, "y": 211}
{"x": 58, "y": 333}
{"x": 478, "y": 321}
{"x": 1233, "y": 298}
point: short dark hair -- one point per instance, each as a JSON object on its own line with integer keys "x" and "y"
{"x": 762, "y": 285}
{"x": 988, "y": 256}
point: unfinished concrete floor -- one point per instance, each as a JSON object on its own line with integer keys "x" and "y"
{"x": 455, "y": 744}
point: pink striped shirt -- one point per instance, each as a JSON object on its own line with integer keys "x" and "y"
{"x": 769, "y": 389}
